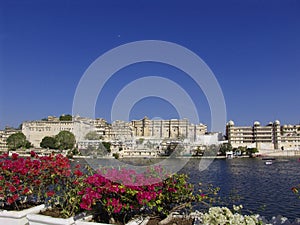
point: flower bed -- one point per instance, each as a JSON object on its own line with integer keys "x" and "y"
{"x": 119, "y": 195}
{"x": 24, "y": 182}
{"x": 109, "y": 195}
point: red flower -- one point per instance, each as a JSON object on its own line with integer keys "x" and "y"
{"x": 50, "y": 193}
{"x": 77, "y": 166}
{"x": 32, "y": 154}
{"x": 15, "y": 197}
{"x": 25, "y": 191}
{"x": 10, "y": 200}
{"x": 78, "y": 173}
{"x": 14, "y": 156}
{"x": 37, "y": 182}
{"x": 12, "y": 188}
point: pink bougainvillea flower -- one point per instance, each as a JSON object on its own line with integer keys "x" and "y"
{"x": 14, "y": 156}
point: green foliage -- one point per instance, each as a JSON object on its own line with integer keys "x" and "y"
{"x": 122, "y": 194}
{"x": 64, "y": 196}
{"x": 107, "y": 146}
{"x": 212, "y": 150}
{"x": 73, "y": 152}
{"x": 116, "y": 155}
{"x": 140, "y": 141}
{"x": 17, "y": 140}
{"x": 242, "y": 149}
{"x": 65, "y": 140}
{"x": 226, "y": 147}
{"x": 251, "y": 151}
{"x": 174, "y": 149}
{"x": 67, "y": 117}
{"x": 48, "y": 142}
{"x": 92, "y": 135}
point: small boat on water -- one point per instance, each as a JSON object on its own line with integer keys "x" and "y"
{"x": 269, "y": 162}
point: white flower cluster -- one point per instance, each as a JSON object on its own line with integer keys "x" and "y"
{"x": 223, "y": 216}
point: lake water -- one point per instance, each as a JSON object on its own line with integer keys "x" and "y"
{"x": 260, "y": 188}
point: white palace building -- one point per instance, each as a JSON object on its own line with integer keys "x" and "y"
{"x": 271, "y": 136}
{"x": 36, "y": 130}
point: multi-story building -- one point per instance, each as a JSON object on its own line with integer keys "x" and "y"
{"x": 36, "y": 130}
{"x": 120, "y": 130}
{"x": 290, "y": 136}
{"x": 101, "y": 127}
{"x": 172, "y": 129}
{"x": 4, "y": 134}
{"x": 271, "y": 136}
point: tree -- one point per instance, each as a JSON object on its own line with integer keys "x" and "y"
{"x": 140, "y": 141}
{"x": 17, "y": 140}
{"x": 107, "y": 146}
{"x": 174, "y": 149}
{"x": 67, "y": 117}
{"x": 65, "y": 140}
{"x": 116, "y": 155}
{"x": 241, "y": 149}
{"x": 48, "y": 142}
{"x": 199, "y": 151}
{"x": 251, "y": 151}
{"x": 92, "y": 135}
{"x": 226, "y": 147}
{"x": 211, "y": 150}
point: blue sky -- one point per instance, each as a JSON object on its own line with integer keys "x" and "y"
{"x": 252, "y": 47}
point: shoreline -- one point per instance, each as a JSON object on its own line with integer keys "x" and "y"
{"x": 260, "y": 154}
{"x": 279, "y": 153}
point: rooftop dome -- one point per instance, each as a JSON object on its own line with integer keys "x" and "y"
{"x": 256, "y": 123}
{"x": 230, "y": 123}
{"x": 277, "y": 122}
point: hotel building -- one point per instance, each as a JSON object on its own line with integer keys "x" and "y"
{"x": 4, "y": 134}
{"x": 270, "y": 136}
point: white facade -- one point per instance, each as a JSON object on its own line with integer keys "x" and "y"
{"x": 172, "y": 129}
{"x": 271, "y": 136}
{"x": 4, "y": 134}
{"x": 35, "y": 131}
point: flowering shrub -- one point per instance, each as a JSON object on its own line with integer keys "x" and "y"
{"x": 116, "y": 194}
{"x": 63, "y": 199}
{"x": 24, "y": 182}
{"x": 223, "y": 215}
